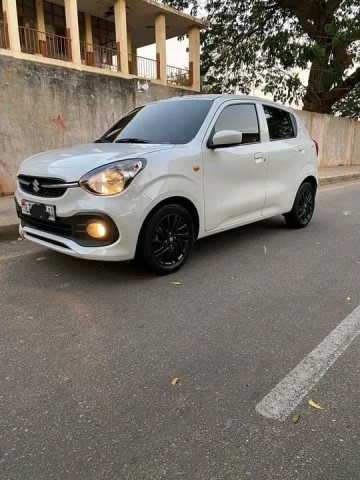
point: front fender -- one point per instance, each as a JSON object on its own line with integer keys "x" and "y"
{"x": 176, "y": 185}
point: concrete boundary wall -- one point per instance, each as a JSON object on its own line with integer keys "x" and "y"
{"x": 338, "y": 138}
{"x": 44, "y": 107}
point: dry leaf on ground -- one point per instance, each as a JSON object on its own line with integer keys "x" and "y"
{"x": 315, "y": 405}
{"x": 295, "y": 418}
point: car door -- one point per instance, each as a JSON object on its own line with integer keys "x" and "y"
{"x": 234, "y": 176}
{"x": 286, "y": 158}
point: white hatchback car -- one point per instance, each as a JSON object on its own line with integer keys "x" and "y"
{"x": 166, "y": 174}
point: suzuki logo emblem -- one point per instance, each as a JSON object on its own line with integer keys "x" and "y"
{"x": 36, "y": 186}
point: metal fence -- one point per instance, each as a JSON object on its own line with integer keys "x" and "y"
{"x": 98, "y": 56}
{"x": 144, "y": 67}
{"x": 178, "y": 76}
{"x": 47, "y": 44}
{"x": 4, "y": 35}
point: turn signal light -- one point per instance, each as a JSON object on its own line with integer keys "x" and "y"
{"x": 96, "y": 230}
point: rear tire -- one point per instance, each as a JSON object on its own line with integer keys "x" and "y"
{"x": 303, "y": 208}
{"x": 168, "y": 239}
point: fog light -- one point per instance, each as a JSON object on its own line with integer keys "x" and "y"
{"x": 96, "y": 230}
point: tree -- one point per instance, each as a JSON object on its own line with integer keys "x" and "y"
{"x": 349, "y": 106}
{"x": 267, "y": 43}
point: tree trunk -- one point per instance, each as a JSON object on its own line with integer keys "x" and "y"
{"x": 321, "y": 95}
{"x": 314, "y": 103}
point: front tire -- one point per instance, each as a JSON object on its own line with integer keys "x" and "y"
{"x": 303, "y": 208}
{"x": 168, "y": 239}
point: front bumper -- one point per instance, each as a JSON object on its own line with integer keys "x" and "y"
{"x": 124, "y": 214}
{"x": 73, "y": 228}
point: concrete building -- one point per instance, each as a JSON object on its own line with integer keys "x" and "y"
{"x": 103, "y": 35}
{"x": 64, "y": 61}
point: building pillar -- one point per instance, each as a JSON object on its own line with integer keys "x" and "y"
{"x": 89, "y": 49}
{"x": 11, "y": 18}
{"x": 40, "y": 26}
{"x": 134, "y": 59}
{"x": 160, "y": 39}
{"x": 121, "y": 36}
{"x": 72, "y": 30}
{"x": 130, "y": 55}
{"x": 194, "y": 58}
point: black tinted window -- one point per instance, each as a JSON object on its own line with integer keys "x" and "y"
{"x": 176, "y": 122}
{"x": 242, "y": 118}
{"x": 279, "y": 123}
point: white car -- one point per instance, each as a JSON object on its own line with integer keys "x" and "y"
{"x": 167, "y": 174}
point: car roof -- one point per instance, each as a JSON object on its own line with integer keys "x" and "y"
{"x": 225, "y": 97}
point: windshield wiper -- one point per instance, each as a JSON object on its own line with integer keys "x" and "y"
{"x": 132, "y": 140}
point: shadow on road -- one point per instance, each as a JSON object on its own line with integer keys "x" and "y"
{"x": 227, "y": 244}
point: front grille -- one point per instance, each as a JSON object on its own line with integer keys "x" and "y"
{"x": 38, "y": 186}
{"x": 48, "y": 240}
{"x": 61, "y": 229}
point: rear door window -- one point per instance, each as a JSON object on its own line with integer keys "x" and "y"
{"x": 281, "y": 124}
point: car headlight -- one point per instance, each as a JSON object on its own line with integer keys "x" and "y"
{"x": 113, "y": 178}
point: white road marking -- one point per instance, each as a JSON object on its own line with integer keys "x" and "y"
{"x": 288, "y": 393}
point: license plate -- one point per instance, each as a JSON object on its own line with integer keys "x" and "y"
{"x": 38, "y": 210}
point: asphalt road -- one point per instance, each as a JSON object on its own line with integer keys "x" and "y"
{"x": 88, "y": 352}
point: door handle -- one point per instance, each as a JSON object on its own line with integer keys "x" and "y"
{"x": 259, "y": 157}
{"x": 301, "y": 148}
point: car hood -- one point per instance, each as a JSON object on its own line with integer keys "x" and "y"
{"x": 70, "y": 164}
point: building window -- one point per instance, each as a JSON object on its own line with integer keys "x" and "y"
{"x": 55, "y": 21}
{"x": 26, "y": 13}
{"x": 81, "y": 18}
{"x": 103, "y": 32}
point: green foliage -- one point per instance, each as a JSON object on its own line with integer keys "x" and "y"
{"x": 349, "y": 106}
{"x": 267, "y": 42}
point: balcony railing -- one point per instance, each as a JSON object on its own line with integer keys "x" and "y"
{"x": 4, "y": 35}
{"x": 98, "y": 56}
{"x": 144, "y": 67}
{"x": 54, "y": 46}
{"x": 178, "y": 76}
{"x": 47, "y": 44}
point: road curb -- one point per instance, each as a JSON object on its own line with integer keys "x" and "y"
{"x": 346, "y": 177}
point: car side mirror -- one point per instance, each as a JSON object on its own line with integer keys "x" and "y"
{"x": 225, "y": 138}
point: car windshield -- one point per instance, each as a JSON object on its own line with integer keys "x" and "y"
{"x": 173, "y": 122}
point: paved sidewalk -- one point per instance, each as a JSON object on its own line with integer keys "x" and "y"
{"x": 9, "y": 221}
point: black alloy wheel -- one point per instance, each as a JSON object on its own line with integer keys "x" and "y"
{"x": 168, "y": 239}
{"x": 303, "y": 208}
{"x": 306, "y": 206}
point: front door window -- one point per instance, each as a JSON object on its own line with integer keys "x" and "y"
{"x": 242, "y": 118}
